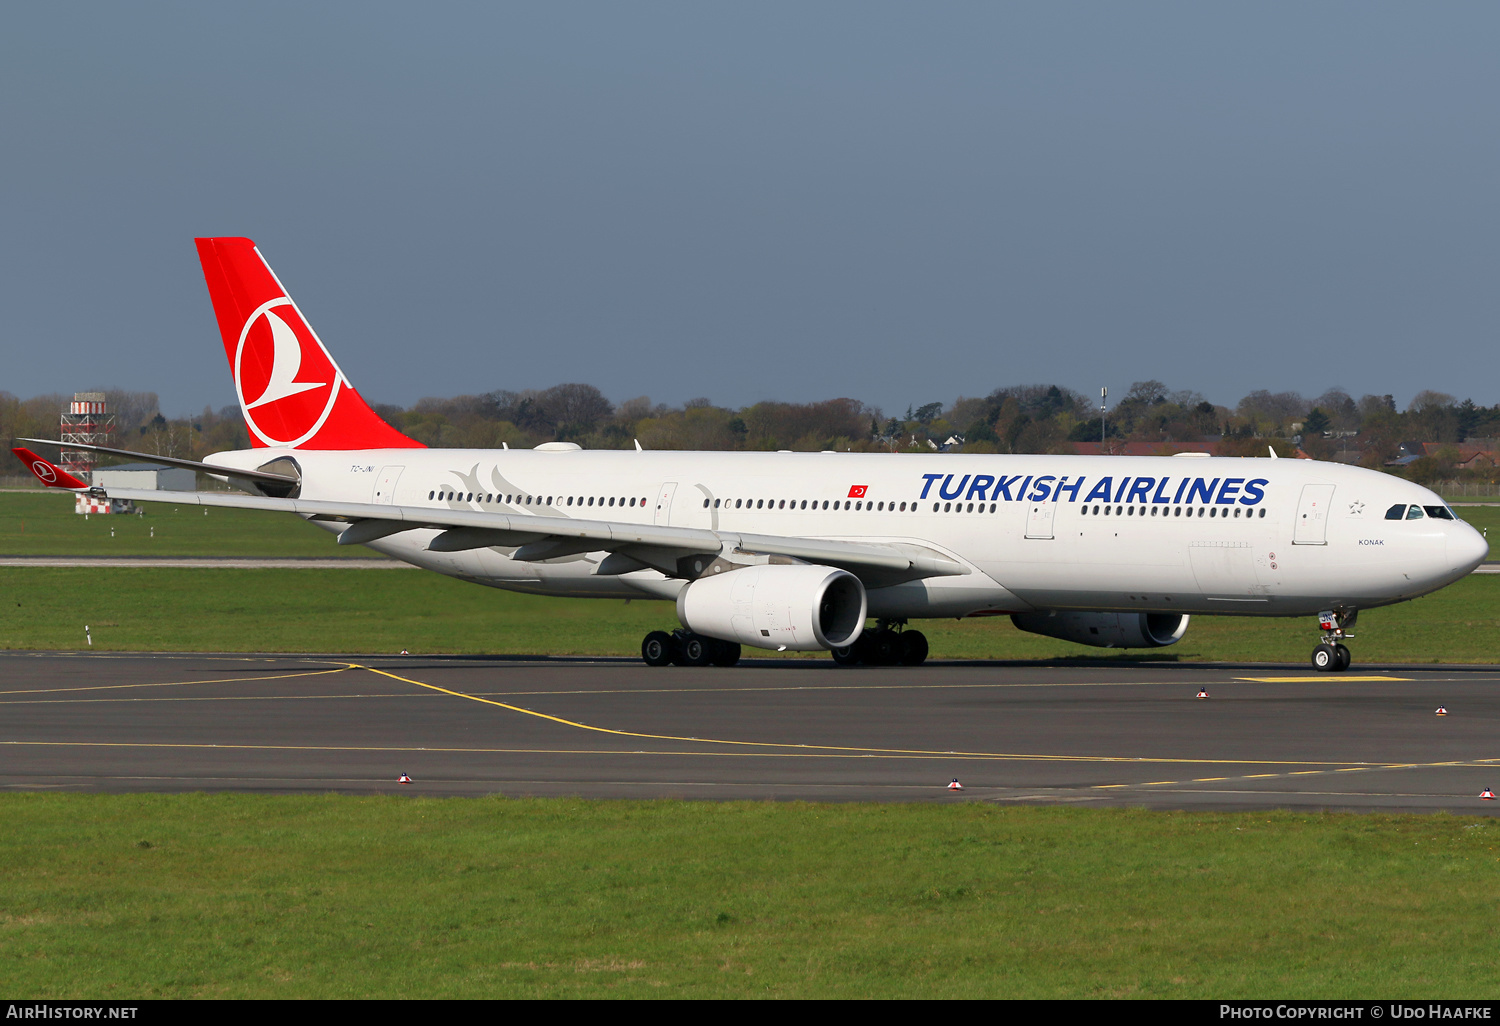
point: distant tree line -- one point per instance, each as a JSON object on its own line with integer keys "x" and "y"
{"x": 1012, "y": 419}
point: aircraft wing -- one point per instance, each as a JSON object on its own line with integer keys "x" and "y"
{"x": 668, "y": 549}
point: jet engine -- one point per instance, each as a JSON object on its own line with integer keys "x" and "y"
{"x": 1107, "y": 630}
{"x": 799, "y": 607}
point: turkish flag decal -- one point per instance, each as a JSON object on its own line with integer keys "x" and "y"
{"x": 858, "y": 491}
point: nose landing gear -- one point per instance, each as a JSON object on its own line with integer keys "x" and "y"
{"x": 1332, "y": 655}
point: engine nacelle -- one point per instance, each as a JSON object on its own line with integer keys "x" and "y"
{"x": 798, "y": 607}
{"x": 1107, "y": 630}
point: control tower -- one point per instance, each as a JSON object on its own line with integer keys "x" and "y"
{"x": 88, "y": 420}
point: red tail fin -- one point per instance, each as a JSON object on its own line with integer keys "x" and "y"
{"x": 47, "y": 473}
{"x": 291, "y": 392}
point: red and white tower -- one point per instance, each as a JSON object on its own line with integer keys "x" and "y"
{"x": 88, "y": 420}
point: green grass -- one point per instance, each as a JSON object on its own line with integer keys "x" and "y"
{"x": 360, "y": 611}
{"x": 1486, "y": 519}
{"x": 377, "y": 610}
{"x": 44, "y": 524}
{"x": 41, "y": 523}
{"x": 314, "y": 897}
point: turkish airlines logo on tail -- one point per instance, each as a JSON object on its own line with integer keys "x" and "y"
{"x": 286, "y": 381}
{"x": 43, "y": 470}
{"x": 858, "y": 491}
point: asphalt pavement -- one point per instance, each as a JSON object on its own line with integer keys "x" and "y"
{"x": 1095, "y": 732}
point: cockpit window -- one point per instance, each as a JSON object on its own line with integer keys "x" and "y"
{"x": 1414, "y": 513}
{"x": 1439, "y": 512}
{"x": 1396, "y": 512}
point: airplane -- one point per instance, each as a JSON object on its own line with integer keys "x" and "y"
{"x": 796, "y": 551}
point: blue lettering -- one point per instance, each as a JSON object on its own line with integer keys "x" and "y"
{"x": 1021, "y": 491}
{"x": 1042, "y": 490}
{"x": 1141, "y": 488}
{"x": 1071, "y": 489}
{"x": 981, "y": 484}
{"x": 1003, "y": 487}
{"x": 1121, "y": 493}
{"x": 929, "y": 478}
{"x": 1159, "y": 497}
{"x": 1201, "y": 490}
{"x": 1253, "y": 493}
{"x": 957, "y": 492}
{"x": 1228, "y": 492}
{"x": 1102, "y": 490}
{"x": 1178, "y": 496}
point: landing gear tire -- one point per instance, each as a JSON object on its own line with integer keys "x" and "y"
{"x": 846, "y": 656}
{"x": 913, "y": 648}
{"x": 1344, "y": 656}
{"x": 658, "y": 648}
{"x": 1325, "y": 658}
{"x": 694, "y": 650}
{"x": 723, "y": 653}
{"x": 883, "y": 649}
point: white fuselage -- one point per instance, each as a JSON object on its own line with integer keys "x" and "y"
{"x": 1149, "y": 534}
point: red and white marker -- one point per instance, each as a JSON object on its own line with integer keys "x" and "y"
{"x": 1442, "y": 711}
{"x": 955, "y": 786}
{"x": 403, "y": 779}
{"x": 1487, "y": 795}
{"x": 1203, "y": 692}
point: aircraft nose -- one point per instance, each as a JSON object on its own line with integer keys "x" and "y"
{"x": 1467, "y": 548}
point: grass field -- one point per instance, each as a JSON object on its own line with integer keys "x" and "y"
{"x": 311, "y": 897}
{"x": 44, "y": 524}
{"x": 362, "y": 611}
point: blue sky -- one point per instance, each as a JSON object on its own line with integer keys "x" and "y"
{"x": 899, "y": 203}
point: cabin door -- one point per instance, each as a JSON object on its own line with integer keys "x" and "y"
{"x": 1312, "y": 515}
{"x": 663, "y": 513}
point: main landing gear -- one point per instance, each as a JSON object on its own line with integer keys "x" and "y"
{"x": 886, "y": 645}
{"x": 1332, "y": 655}
{"x": 684, "y": 648}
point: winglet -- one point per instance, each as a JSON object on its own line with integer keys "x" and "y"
{"x": 48, "y": 474}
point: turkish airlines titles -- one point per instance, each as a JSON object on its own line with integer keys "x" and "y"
{"x": 1144, "y": 490}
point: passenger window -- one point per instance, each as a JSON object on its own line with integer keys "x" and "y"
{"x": 1438, "y": 512}
{"x": 1414, "y": 513}
{"x": 1396, "y": 512}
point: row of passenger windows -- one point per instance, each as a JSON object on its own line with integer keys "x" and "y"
{"x": 960, "y": 507}
{"x": 793, "y": 504}
{"x": 1394, "y": 513}
{"x": 1172, "y": 511}
{"x": 1401, "y": 511}
{"x": 534, "y": 500}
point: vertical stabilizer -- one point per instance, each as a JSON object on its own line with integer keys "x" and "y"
{"x": 291, "y": 391}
